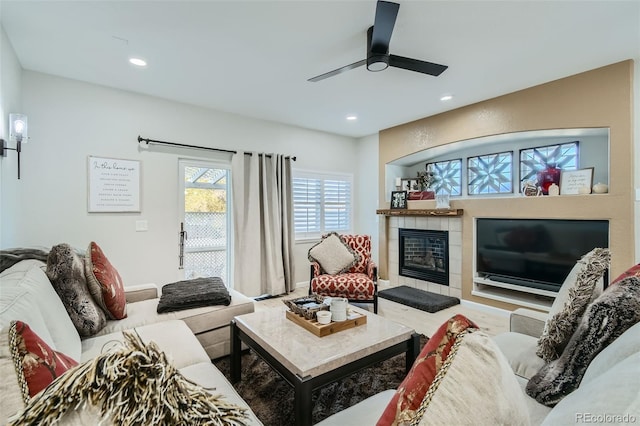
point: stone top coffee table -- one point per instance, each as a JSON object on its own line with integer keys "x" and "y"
{"x": 308, "y": 362}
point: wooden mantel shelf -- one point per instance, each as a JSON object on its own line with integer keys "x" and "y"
{"x": 420, "y": 212}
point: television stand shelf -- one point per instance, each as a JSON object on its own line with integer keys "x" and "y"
{"x": 527, "y": 297}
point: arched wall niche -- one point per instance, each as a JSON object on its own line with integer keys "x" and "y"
{"x": 597, "y": 99}
{"x": 593, "y": 152}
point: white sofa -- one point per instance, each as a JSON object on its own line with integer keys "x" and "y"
{"x": 27, "y": 295}
{"x": 608, "y": 393}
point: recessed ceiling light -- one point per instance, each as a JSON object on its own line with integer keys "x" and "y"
{"x": 138, "y": 62}
{"x": 352, "y": 117}
{"x": 446, "y": 98}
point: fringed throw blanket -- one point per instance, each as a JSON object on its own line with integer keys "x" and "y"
{"x": 135, "y": 385}
{"x": 610, "y": 315}
{"x": 193, "y": 293}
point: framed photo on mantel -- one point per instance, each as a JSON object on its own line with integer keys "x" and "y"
{"x": 398, "y": 200}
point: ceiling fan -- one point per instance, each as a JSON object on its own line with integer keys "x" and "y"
{"x": 378, "y": 57}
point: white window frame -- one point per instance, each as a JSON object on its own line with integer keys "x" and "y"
{"x": 307, "y": 174}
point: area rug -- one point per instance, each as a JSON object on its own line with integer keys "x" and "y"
{"x": 271, "y": 398}
{"x": 419, "y": 299}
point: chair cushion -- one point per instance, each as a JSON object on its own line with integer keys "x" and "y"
{"x": 333, "y": 255}
{"x": 351, "y": 286}
{"x": 410, "y": 393}
{"x": 105, "y": 283}
{"x": 578, "y": 290}
{"x": 36, "y": 364}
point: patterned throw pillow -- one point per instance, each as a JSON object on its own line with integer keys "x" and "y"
{"x": 37, "y": 365}
{"x": 606, "y": 319}
{"x": 65, "y": 270}
{"x": 634, "y": 271}
{"x": 465, "y": 393}
{"x": 578, "y": 290}
{"x": 105, "y": 283}
{"x": 409, "y": 395}
{"x": 333, "y": 255}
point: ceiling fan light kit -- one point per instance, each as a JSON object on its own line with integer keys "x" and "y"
{"x": 376, "y": 61}
{"x": 378, "y": 39}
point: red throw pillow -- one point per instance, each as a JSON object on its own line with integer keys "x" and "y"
{"x": 105, "y": 283}
{"x": 411, "y": 392}
{"x": 37, "y": 365}
{"x": 634, "y": 271}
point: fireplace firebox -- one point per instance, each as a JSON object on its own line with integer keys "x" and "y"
{"x": 424, "y": 254}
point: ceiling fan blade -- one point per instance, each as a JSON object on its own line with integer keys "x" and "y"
{"x": 416, "y": 65}
{"x": 338, "y": 71}
{"x": 386, "y": 14}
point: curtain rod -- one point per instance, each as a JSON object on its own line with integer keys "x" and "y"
{"x": 148, "y": 141}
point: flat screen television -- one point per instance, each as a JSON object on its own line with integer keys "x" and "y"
{"x": 536, "y": 253}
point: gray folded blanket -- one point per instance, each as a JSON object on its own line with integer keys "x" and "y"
{"x": 10, "y": 257}
{"x": 194, "y": 293}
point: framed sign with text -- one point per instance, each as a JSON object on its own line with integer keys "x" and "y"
{"x": 574, "y": 182}
{"x": 113, "y": 185}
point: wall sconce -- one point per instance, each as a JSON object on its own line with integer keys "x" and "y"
{"x": 17, "y": 133}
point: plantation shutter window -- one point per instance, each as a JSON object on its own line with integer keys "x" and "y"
{"x": 321, "y": 204}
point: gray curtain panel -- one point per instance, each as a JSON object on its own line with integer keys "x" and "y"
{"x": 263, "y": 224}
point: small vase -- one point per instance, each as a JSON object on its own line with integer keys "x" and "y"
{"x": 547, "y": 177}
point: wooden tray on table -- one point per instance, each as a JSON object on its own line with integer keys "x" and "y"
{"x": 354, "y": 319}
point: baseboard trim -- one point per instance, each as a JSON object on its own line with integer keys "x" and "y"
{"x": 486, "y": 308}
{"x": 302, "y": 284}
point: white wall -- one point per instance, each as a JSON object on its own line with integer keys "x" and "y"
{"x": 366, "y": 192}
{"x": 10, "y": 101}
{"x": 70, "y": 120}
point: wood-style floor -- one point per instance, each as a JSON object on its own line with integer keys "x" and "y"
{"x": 422, "y": 322}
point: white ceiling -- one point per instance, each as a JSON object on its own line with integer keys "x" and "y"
{"x": 254, "y": 58}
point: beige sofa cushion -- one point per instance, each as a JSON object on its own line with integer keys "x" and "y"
{"x": 25, "y": 286}
{"x": 199, "y": 320}
{"x": 537, "y": 412}
{"x": 366, "y": 412}
{"x": 209, "y": 377}
{"x": 520, "y": 352}
{"x": 173, "y": 337}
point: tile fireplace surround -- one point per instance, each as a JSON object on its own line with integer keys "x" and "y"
{"x": 453, "y": 224}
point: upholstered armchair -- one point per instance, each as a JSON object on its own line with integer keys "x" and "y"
{"x": 338, "y": 274}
